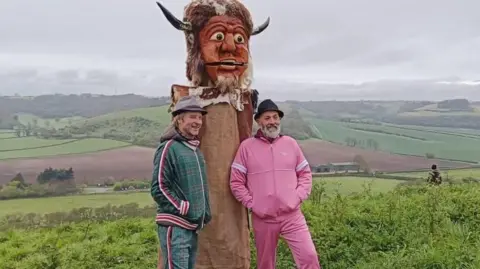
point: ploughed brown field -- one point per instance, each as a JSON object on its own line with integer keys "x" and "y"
{"x": 321, "y": 152}
{"x": 137, "y": 162}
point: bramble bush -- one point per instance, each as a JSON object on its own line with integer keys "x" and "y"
{"x": 417, "y": 226}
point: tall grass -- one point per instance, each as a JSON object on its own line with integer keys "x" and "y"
{"x": 420, "y": 226}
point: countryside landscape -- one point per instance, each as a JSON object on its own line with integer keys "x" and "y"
{"x": 75, "y": 172}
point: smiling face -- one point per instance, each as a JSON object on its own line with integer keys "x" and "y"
{"x": 189, "y": 123}
{"x": 269, "y": 123}
{"x": 224, "y": 50}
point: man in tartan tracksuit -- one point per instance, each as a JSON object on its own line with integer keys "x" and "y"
{"x": 179, "y": 187}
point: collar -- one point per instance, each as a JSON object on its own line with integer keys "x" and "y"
{"x": 192, "y": 143}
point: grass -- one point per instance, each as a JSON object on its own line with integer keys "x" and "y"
{"x": 412, "y": 227}
{"x": 6, "y": 134}
{"x": 398, "y": 139}
{"x": 77, "y": 147}
{"x": 156, "y": 114}
{"x": 342, "y": 185}
{"x": 142, "y": 124}
{"x": 433, "y": 111}
{"x": 424, "y": 113}
{"x": 28, "y": 142}
{"x": 41, "y": 122}
{"x": 349, "y": 185}
{"x": 67, "y": 203}
{"x": 454, "y": 173}
{"x": 450, "y": 130}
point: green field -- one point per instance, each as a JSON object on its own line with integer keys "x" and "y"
{"x": 448, "y": 130}
{"x": 67, "y": 203}
{"x": 451, "y": 174}
{"x": 348, "y": 185}
{"x": 23, "y": 143}
{"x": 76, "y": 147}
{"x": 156, "y": 114}
{"x": 33, "y": 120}
{"x": 6, "y": 134}
{"x": 424, "y": 113}
{"x": 398, "y": 139}
{"x": 432, "y": 110}
{"x": 342, "y": 185}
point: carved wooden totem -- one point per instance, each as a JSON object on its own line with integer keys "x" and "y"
{"x": 219, "y": 69}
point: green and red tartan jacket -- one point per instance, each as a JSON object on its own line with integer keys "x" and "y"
{"x": 179, "y": 184}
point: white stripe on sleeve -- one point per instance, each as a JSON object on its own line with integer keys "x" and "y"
{"x": 239, "y": 167}
{"x": 301, "y": 165}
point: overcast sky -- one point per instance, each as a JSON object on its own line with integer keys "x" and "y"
{"x": 128, "y": 45}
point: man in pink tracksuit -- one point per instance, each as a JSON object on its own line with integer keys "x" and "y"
{"x": 271, "y": 177}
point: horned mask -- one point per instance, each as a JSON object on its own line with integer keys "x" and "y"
{"x": 217, "y": 34}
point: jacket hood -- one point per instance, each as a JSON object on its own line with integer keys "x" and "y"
{"x": 172, "y": 133}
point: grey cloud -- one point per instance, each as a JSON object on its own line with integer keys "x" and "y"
{"x": 124, "y": 45}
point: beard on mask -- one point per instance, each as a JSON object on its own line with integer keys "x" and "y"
{"x": 271, "y": 131}
{"x": 226, "y": 84}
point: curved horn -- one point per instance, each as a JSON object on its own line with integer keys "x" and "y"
{"x": 178, "y": 24}
{"x": 259, "y": 29}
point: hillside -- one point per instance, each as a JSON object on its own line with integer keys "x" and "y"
{"x": 136, "y": 162}
{"x": 447, "y": 143}
{"x": 455, "y": 113}
{"x": 84, "y": 105}
{"x": 144, "y": 126}
{"x": 119, "y": 143}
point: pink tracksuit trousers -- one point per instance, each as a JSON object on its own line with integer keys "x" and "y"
{"x": 294, "y": 230}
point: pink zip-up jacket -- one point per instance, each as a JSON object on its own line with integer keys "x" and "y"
{"x": 272, "y": 178}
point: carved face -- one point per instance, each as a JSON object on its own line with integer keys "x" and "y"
{"x": 224, "y": 50}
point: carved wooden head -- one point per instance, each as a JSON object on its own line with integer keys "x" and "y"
{"x": 217, "y": 33}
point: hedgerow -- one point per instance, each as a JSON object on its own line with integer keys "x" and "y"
{"x": 420, "y": 227}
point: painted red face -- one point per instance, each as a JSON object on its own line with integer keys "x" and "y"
{"x": 224, "y": 48}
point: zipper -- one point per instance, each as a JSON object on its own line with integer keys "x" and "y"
{"x": 273, "y": 167}
{"x": 203, "y": 189}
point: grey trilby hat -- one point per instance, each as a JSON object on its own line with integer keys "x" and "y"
{"x": 187, "y": 104}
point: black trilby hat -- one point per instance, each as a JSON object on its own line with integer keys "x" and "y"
{"x": 267, "y": 105}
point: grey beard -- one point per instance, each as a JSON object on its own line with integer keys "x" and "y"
{"x": 272, "y": 133}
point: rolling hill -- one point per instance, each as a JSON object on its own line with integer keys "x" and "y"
{"x": 136, "y": 162}
{"x": 119, "y": 143}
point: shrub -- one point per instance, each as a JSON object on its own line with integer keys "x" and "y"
{"x": 416, "y": 226}
{"x": 131, "y": 185}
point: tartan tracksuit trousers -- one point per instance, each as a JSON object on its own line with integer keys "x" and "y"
{"x": 179, "y": 247}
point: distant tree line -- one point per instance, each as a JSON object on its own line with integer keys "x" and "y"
{"x": 368, "y": 143}
{"x": 50, "y": 182}
{"x": 130, "y": 185}
{"x": 452, "y": 121}
{"x": 455, "y": 105}
{"x": 85, "y": 105}
{"x": 337, "y": 110}
{"x": 410, "y": 106}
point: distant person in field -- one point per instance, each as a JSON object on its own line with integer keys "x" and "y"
{"x": 179, "y": 187}
{"x": 271, "y": 177}
{"x": 434, "y": 177}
